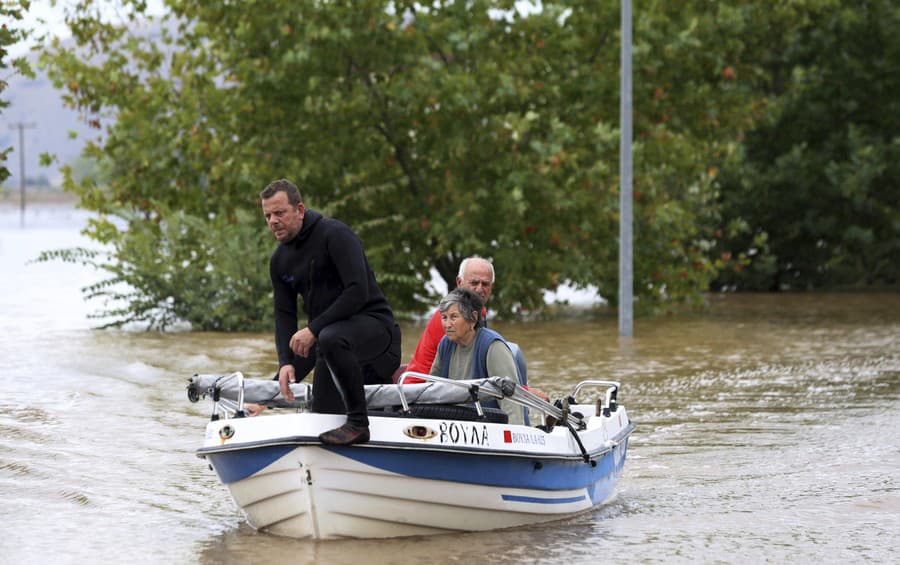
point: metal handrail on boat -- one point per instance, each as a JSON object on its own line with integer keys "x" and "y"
{"x": 426, "y": 377}
{"x": 494, "y": 387}
{"x": 517, "y": 394}
{"x": 237, "y": 407}
{"x": 612, "y": 390}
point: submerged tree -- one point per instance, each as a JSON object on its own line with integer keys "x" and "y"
{"x": 815, "y": 187}
{"x": 436, "y": 130}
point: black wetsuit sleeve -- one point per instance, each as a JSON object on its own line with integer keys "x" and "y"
{"x": 303, "y": 365}
{"x": 346, "y": 252}
{"x": 285, "y": 299}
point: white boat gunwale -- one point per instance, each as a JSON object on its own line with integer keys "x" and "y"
{"x": 613, "y": 442}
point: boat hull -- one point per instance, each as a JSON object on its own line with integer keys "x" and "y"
{"x": 414, "y": 477}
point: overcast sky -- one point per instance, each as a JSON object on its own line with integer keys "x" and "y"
{"x": 53, "y": 20}
{"x": 53, "y": 17}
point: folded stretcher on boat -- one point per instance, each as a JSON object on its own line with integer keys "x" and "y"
{"x": 267, "y": 392}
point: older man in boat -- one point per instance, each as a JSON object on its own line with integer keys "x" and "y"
{"x": 470, "y": 351}
{"x": 475, "y": 274}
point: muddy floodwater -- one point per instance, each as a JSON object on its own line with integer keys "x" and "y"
{"x": 768, "y": 431}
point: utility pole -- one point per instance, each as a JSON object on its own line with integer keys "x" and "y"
{"x": 22, "y": 126}
{"x": 626, "y": 255}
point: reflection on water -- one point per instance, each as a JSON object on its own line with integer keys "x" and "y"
{"x": 767, "y": 430}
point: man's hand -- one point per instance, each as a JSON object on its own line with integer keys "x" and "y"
{"x": 286, "y": 376}
{"x": 302, "y": 342}
{"x": 538, "y": 392}
{"x": 253, "y": 409}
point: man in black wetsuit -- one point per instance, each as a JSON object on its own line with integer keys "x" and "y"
{"x": 351, "y": 336}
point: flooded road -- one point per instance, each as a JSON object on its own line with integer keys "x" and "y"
{"x": 768, "y": 430}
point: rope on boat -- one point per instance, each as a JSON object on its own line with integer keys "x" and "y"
{"x": 531, "y": 400}
{"x": 584, "y": 454}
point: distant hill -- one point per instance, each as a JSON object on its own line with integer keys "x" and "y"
{"x": 37, "y": 102}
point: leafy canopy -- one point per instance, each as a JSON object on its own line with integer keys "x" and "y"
{"x": 812, "y": 194}
{"x": 435, "y": 130}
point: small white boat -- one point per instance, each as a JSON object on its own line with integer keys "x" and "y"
{"x": 430, "y": 467}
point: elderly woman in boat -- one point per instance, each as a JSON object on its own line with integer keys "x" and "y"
{"x": 469, "y": 351}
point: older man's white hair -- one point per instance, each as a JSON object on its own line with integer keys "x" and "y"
{"x": 465, "y": 262}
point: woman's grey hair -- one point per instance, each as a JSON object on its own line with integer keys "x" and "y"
{"x": 469, "y": 304}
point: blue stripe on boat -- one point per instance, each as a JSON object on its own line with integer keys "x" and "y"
{"x": 233, "y": 466}
{"x": 536, "y": 500}
{"x": 490, "y": 470}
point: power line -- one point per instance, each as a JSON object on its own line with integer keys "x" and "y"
{"x": 22, "y": 126}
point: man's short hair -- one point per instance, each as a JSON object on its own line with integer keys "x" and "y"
{"x": 468, "y": 303}
{"x": 285, "y": 186}
{"x": 465, "y": 262}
